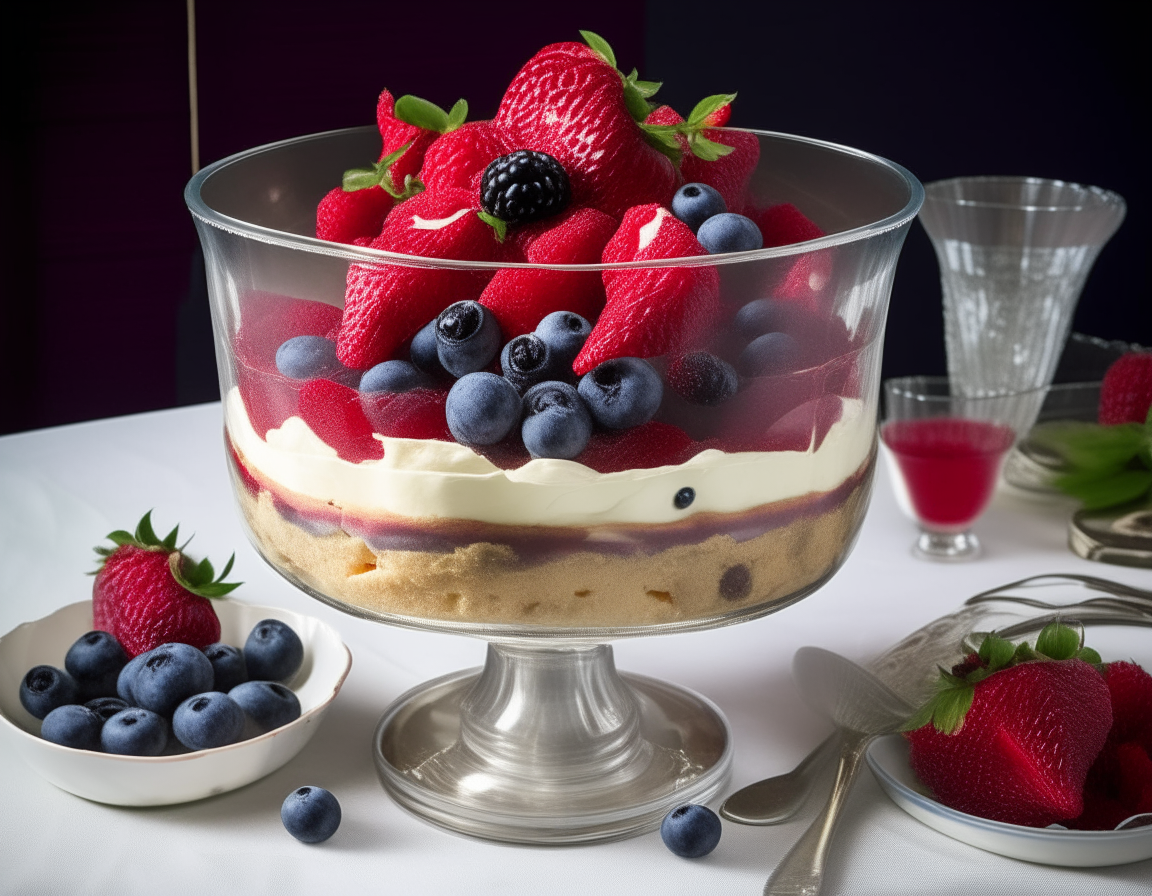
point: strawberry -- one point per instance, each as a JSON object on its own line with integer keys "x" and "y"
{"x": 458, "y": 158}
{"x": 334, "y": 413}
{"x": 784, "y": 224}
{"x": 521, "y": 298}
{"x": 1126, "y": 393}
{"x": 1130, "y": 688}
{"x": 266, "y": 321}
{"x": 344, "y": 217}
{"x": 1013, "y": 739}
{"x": 147, "y": 592}
{"x": 655, "y": 310}
{"x": 730, "y": 173}
{"x": 396, "y": 134}
{"x": 418, "y": 414}
{"x": 652, "y": 444}
{"x": 384, "y": 305}
{"x": 569, "y": 101}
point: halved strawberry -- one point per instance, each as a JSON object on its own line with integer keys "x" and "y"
{"x": 386, "y": 304}
{"x": 521, "y": 298}
{"x": 655, "y": 310}
{"x": 1013, "y": 740}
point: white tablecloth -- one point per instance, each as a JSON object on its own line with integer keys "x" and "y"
{"x": 62, "y": 490}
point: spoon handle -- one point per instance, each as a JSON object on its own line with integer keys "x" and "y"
{"x": 801, "y": 872}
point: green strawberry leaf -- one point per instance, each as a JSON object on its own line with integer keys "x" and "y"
{"x": 360, "y": 179}
{"x": 638, "y": 107}
{"x": 996, "y": 652}
{"x": 646, "y": 89}
{"x": 1089, "y": 656}
{"x": 707, "y": 106}
{"x": 1096, "y": 491}
{"x": 599, "y": 46}
{"x": 457, "y": 115}
{"x": 708, "y": 150}
{"x": 663, "y": 138}
{"x": 145, "y": 534}
{"x": 412, "y": 186}
{"x": 1058, "y": 641}
{"x": 947, "y": 708}
{"x": 500, "y": 226}
{"x": 420, "y": 113}
{"x": 120, "y": 538}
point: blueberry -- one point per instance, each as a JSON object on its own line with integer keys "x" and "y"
{"x": 759, "y": 317}
{"x": 527, "y": 360}
{"x": 684, "y": 498}
{"x": 696, "y": 203}
{"x": 310, "y": 814}
{"x": 394, "y": 376}
{"x": 622, "y": 393}
{"x": 267, "y": 703}
{"x": 736, "y": 583}
{"x": 46, "y": 687}
{"x": 690, "y": 831}
{"x": 769, "y": 355}
{"x": 273, "y": 652}
{"x": 467, "y": 338}
{"x": 73, "y": 726}
{"x": 565, "y": 332}
{"x": 169, "y": 675}
{"x": 702, "y": 378}
{"x": 106, "y": 707}
{"x": 95, "y": 661}
{"x": 482, "y": 408}
{"x": 308, "y": 357}
{"x": 729, "y": 232}
{"x": 556, "y": 421}
{"x": 208, "y": 720}
{"x": 135, "y": 732}
{"x": 228, "y": 666}
{"x": 127, "y": 678}
{"x": 424, "y": 351}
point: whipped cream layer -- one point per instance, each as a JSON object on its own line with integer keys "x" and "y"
{"x": 444, "y": 480}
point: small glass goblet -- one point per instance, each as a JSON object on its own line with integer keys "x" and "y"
{"x": 945, "y": 452}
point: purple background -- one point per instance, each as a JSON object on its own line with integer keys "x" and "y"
{"x": 102, "y": 311}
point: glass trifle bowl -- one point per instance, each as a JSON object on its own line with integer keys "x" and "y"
{"x": 740, "y": 495}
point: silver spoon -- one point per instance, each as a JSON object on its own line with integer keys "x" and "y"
{"x": 863, "y": 708}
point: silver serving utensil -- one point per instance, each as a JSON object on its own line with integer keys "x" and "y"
{"x": 910, "y": 668}
{"x": 862, "y": 707}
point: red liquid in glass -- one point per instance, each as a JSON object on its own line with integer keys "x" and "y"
{"x": 949, "y": 465}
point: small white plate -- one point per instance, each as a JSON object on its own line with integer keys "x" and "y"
{"x": 888, "y": 759}
{"x": 165, "y": 780}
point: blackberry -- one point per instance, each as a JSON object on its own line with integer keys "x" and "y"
{"x": 524, "y": 186}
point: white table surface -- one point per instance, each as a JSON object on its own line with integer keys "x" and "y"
{"x": 62, "y": 490}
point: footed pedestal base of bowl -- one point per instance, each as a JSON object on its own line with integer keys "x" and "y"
{"x": 550, "y": 745}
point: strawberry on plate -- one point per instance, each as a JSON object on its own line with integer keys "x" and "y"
{"x": 652, "y": 311}
{"x": 147, "y": 592}
{"x": 1013, "y": 730}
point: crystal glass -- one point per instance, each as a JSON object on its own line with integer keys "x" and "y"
{"x": 1014, "y": 255}
{"x": 707, "y": 515}
{"x": 945, "y": 450}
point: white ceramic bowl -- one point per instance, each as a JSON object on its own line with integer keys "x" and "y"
{"x": 888, "y": 759}
{"x": 164, "y": 780}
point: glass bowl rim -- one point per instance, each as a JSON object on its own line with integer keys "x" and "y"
{"x": 202, "y": 212}
{"x": 1091, "y": 198}
{"x": 917, "y": 388}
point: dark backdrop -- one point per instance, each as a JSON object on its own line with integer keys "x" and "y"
{"x": 102, "y": 309}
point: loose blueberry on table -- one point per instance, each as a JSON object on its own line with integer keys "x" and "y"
{"x": 691, "y": 831}
{"x": 310, "y": 814}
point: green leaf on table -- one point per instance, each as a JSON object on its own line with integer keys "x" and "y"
{"x": 1090, "y": 446}
{"x": 1099, "y": 490}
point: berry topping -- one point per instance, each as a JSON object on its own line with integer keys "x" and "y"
{"x": 691, "y": 831}
{"x": 273, "y": 651}
{"x": 728, "y": 232}
{"x": 622, "y": 393}
{"x": 524, "y": 186}
{"x": 696, "y": 203}
{"x": 684, "y": 498}
{"x": 135, "y": 732}
{"x": 527, "y": 360}
{"x": 467, "y": 338}
{"x": 43, "y": 688}
{"x": 565, "y": 333}
{"x": 148, "y": 592}
{"x": 1126, "y": 393}
{"x": 308, "y": 357}
{"x": 556, "y": 421}
{"x": 334, "y": 412}
{"x": 268, "y": 704}
{"x": 73, "y": 726}
{"x": 424, "y": 351}
{"x": 394, "y": 376}
{"x": 702, "y": 378}
{"x": 482, "y": 408}
{"x": 654, "y": 444}
{"x": 310, "y": 814}
{"x": 769, "y": 355}
{"x": 208, "y": 720}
